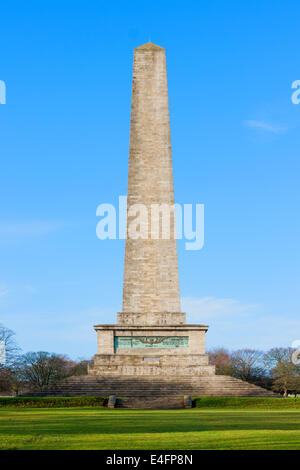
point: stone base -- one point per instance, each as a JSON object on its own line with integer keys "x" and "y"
{"x": 152, "y": 318}
{"x": 138, "y": 365}
{"x": 151, "y": 350}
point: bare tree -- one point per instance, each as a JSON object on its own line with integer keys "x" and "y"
{"x": 221, "y": 358}
{"x": 15, "y": 380}
{"x": 247, "y": 364}
{"x": 244, "y": 364}
{"x": 40, "y": 369}
{"x": 9, "y": 355}
{"x": 7, "y": 337}
{"x": 285, "y": 374}
{"x": 80, "y": 367}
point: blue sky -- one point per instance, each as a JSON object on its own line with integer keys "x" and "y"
{"x": 64, "y": 135}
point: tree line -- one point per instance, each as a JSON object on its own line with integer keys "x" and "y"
{"x": 277, "y": 369}
{"x": 33, "y": 370}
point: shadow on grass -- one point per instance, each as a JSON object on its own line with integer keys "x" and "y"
{"x": 91, "y": 421}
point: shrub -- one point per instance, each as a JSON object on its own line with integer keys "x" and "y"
{"x": 246, "y": 402}
{"x": 52, "y": 402}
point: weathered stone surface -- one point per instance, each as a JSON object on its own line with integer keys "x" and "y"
{"x": 195, "y": 335}
{"x": 112, "y": 400}
{"x": 151, "y": 283}
{"x": 156, "y": 360}
{"x": 151, "y": 318}
{"x": 155, "y": 387}
{"x": 188, "y": 403}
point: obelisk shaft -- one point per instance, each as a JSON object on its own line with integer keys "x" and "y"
{"x": 151, "y": 286}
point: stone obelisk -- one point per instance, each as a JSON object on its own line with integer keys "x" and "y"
{"x": 151, "y": 355}
{"x": 151, "y": 337}
{"x": 151, "y": 286}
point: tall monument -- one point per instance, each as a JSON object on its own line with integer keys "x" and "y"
{"x": 151, "y": 286}
{"x": 151, "y": 336}
{"x": 151, "y": 352}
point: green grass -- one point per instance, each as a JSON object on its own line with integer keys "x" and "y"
{"x": 99, "y": 428}
{"x": 247, "y": 402}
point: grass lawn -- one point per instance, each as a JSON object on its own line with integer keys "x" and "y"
{"x": 96, "y": 428}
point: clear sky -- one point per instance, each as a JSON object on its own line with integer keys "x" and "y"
{"x": 64, "y": 135}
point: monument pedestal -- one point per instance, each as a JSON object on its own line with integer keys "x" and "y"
{"x": 151, "y": 350}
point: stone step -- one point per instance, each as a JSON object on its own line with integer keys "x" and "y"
{"x": 161, "y": 381}
{"x": 124, "y": 386}
{"x": 154, "y": 389}
{"x": 127, "y": 386}
{"x": 158, "y": 390}
{"x": 160, "y": 403}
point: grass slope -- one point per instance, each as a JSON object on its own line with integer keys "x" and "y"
{"x": 98, "y": 428}
{"x": 247, "y": 402}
